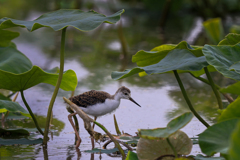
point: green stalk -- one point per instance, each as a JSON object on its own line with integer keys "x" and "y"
{"x": 205, "y": 81}
{"x": 187, "y": 99}
{"x": 116, "y": 126}
{"x": 219, "y": 100}
{"x": 31, "y": 113}
{"x": 227, "y": 96}
{"x": 112, "y": 138}
{"x": 45, "y": 139}
{"x": 174, "y": 150}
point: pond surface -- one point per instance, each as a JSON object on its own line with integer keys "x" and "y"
{"x": 93, "y": 56}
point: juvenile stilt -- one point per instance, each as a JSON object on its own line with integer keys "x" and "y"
{"x": 99, "y": 103}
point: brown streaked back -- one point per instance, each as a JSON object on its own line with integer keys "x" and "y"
{"x": 90, "y": 98}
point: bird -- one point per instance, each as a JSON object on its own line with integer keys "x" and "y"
{"x": 99, "y": 103}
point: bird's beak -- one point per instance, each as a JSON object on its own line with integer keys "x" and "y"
{"x": 134, "y": 101}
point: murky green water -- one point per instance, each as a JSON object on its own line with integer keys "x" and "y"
{"x": 93, "y": 56}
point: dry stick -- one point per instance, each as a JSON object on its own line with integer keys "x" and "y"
{"x": 188, "y": 100}
{"x": 227, "y": 96}
{"x": 87, "y": 124}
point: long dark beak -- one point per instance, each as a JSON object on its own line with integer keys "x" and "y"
{"x": 134, "y": 101}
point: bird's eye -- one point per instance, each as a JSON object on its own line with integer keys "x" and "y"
{"x": 125, "y": 93}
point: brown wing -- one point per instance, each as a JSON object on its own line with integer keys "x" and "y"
{"x": 90, "y": 98}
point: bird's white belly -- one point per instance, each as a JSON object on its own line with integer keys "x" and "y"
{"x": 100, "y": 109}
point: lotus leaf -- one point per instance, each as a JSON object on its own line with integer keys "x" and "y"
{"x": 10, "y": 106}
{"x": 223, "y": 59}
{"x": 177, "y": 59}
{"x": 57, "y": 20}
{"x": 217, "y": 137}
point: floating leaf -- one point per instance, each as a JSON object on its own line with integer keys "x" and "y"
{"x": 12, "y": 60}
{"x": 107, "y": 151}
{"x": 171, "y": 128}
{"x": 57, "y": 20}
{"x": 234, "y": 89}
{"x": 222, "y": 58}
{"x": 18, "y": 82}
{"x": 131, "y": 156}
{"x": 10, "y": 106}
{"x": 201, "y": 157}
{"x": 232, "y": 111}
{"x": 216, "y": 138}
{"x": 235, "y": 144}
{"x": 154, "y": 149}
{"x": 214, "y": 29}
{"x": 6, "y": 37}
{"x": 20, "y": 141}
{"x": 230, "y": 39}
{"x": 178, "y": 59}
{"x": 13, "y": 132}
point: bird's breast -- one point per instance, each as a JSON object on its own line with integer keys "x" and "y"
{"x": 100, "y": 109}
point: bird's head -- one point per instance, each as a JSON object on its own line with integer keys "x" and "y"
{"x": 125, "y": 93}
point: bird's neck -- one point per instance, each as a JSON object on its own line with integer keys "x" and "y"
{"x": 116, "y": 96}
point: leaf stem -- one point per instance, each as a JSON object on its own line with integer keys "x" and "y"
{"x": 31, "y": 113}
{"x": 112, "y": 138}
{"x": 187, "y": 99}
{"x": 212, "y": 84}
{"x": 45, "y": 139}
{"x": 174, "y": 150}
{"x": 227, "y": 96}
{"x": 116, "y": 126}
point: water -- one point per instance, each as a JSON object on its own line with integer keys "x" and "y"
{"x": 93, "y": 56}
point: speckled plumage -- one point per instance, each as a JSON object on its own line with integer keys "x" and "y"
{"x": 90, "y": 98}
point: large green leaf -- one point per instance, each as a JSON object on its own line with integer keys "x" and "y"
{"x": 177, "y": 59}
{"x": 158, "y": 148}
{"x": 13, "y": 132}
{"x": 173, "y": 126}
{"x": 232, "y": 111}
{"x": 234, "y": 89}
{"x": 146, "y": 58}
{"x": 234, "y": 148}
{"x": 214, "y": 29}
{"x": 57, "y": 20}
{"x": 222, "y": 58}
{"x": 18, "y": 82}
{"x": 20, "y": 141}
{"x": 230, "y": 39}
{"x": 6, "y": 37}
{"x": 201, "y": 157}
{"x": 12, "y": 60}
{"x": 10, "y": 106}
{"x": 131, "y": 156}
{"x": 216, "y": 138}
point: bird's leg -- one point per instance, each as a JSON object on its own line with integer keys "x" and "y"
{"x": 95, "y": 118}
{"x": 75, "y": 130}
{"x": 92, "y": 138}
